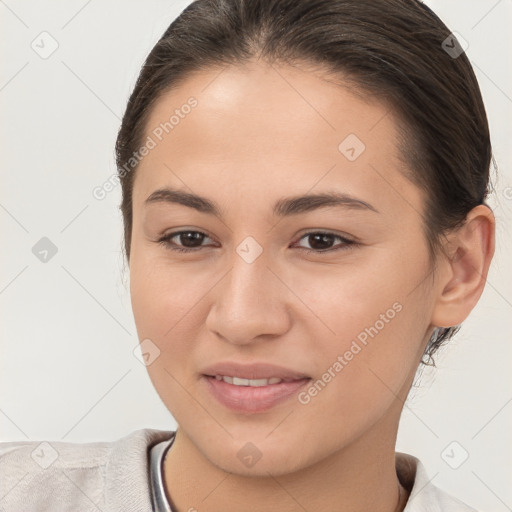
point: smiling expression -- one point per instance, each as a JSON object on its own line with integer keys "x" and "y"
{"x": 304, "y": 239}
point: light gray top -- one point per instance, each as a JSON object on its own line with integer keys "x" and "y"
{"x": 126, "y": 475}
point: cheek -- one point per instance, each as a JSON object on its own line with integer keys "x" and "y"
{"x": 163, "y": 295}
{"x": 169, "y": 306}
{"x": 167, "y": 309}
{"x": 369, "y": 327}
{"x": 360, "y": 372}
{"x": 366, "y": 297}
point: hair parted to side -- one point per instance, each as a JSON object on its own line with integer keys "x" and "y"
{"x": 390, "y": 50}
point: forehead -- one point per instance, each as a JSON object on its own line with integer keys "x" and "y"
{"x": 260, "y": 128}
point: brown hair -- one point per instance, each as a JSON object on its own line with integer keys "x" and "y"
{"x": 398, "y": 51}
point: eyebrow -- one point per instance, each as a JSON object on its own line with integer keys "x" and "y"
{"x": 286, "y": 206}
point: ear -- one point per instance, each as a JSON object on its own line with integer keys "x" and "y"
{"x": 463, "y": 271}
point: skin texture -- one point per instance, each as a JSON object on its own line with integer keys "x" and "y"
{"x": 260, "y": 133}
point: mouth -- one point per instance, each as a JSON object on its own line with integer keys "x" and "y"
{"x": 255, "y": 383}
{"x": 252, "y": 371}
{"x": 252, "y": 389}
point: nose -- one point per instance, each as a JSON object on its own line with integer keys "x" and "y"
{"x": 249, "y": 303}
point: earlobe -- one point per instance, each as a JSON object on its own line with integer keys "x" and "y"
{"x": 465, "y": 271}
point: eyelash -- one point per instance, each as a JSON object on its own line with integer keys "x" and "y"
{"x": 347, "y": 243}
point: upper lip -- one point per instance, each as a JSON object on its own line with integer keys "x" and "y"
{"x": 253, "y": 371}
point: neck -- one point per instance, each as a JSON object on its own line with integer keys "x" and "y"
{"x": 359, "y": 477}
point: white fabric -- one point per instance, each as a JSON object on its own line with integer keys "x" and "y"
{"x": 116, "y": 476}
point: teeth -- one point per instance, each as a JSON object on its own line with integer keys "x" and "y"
{"x": 237, "y": 381}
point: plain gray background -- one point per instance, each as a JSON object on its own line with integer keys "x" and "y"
{"x": 68, "y": 371}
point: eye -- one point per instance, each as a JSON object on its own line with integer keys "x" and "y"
{"x": 189, "y": 240}
{"x": 322, "y": 241}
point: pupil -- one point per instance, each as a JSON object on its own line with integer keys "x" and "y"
{"x": 188, "y": 237}
{"x": 320, "y": 237}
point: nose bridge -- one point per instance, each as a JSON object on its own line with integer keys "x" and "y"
{"x": 248, "y": 283}
{"x": 246, "y": 302}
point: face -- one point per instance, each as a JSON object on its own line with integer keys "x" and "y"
{"x": 332, "y": 297}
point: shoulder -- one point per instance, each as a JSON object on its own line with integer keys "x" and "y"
{"x": 424, "y": 496}
{"x": 44, "y": 475}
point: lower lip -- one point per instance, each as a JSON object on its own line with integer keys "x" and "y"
{"x": 252, "y": 399}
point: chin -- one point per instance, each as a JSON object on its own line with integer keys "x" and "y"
{"x": 262, "y": 457}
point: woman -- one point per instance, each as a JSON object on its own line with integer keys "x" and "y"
{"x": 304, "y": 188}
